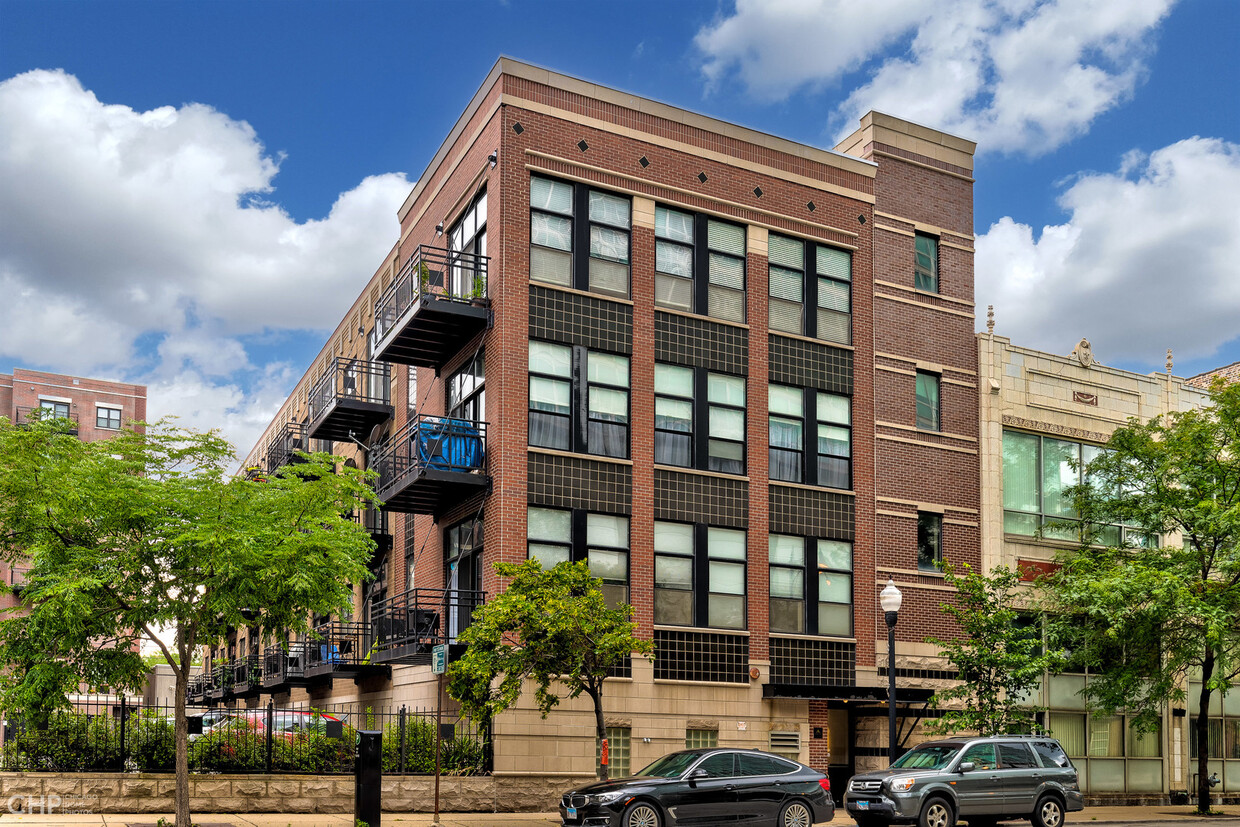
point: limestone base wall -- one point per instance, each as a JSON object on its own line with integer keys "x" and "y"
{"x": 56, "y": 793}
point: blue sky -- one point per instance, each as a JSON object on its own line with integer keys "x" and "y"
{"x": 195, "y": 190}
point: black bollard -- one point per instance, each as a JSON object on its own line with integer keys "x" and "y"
{"x": 368, "y": 777}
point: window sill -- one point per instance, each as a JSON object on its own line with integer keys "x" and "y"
{"x": 557, "y": 453}
{"x": 938, "y": 575}
{"x": 700, "y": 316}
{"x": 719, "y": 474}
{"x": 846, "y": 492}
{"x": 795, "y": 636}
{"x": 702, "y": 629}
{"x": 801, "y": 338}
{"x": 605, "y": 296}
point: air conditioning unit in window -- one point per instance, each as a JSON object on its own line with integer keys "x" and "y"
{"x": 786, "y": 742}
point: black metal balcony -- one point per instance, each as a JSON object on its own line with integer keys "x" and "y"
{"x": 284, "y": 668}
{"x": 431, "y": 463}
{"x": 196, "y": 691}
{"x": 219, "y": 685}
{"x": 408, "y": 625}
{"x": 340, "y": 649}
{"x": 17, "y": 578}
{"x": 284, "y": 445}
{"x": 375, "y": 521}
{"x": 255, "y": 473}
{"x": 350, "y": 399}
{"x": 26, "y": 415}
{"x": 247, "y": 676}
{"x": 435, "y": 306}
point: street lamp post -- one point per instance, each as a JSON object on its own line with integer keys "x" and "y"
{"x": 890, "y": 599}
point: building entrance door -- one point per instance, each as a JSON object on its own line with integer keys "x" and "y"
{"x": 840, "y": 734}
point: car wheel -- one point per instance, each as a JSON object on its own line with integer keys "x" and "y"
{"x": 937, "y": 812}
{"x": 641, "y": 814}
{"x": 795, "y": 814}
{"x": 1048, "y": 812}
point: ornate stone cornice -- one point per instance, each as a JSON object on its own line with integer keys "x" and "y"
{"x": 1058, "y": 430}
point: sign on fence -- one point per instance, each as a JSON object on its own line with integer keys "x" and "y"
{"x": 439, "y": 659}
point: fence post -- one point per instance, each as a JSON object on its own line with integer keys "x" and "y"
{"x": 271, "y": 705}
{"x": 402, "y": 738}
{"x": 123, "y": 716}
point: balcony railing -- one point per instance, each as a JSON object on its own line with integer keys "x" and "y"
{"x": 338, "y": 647}
{"x": 196, "y": 692}
{"x": 220, "y": 681}
{"x": 247, "y": 675}
{"x": 350, "y": 399}
{"x": 408, "y": 625}
{"x": 17, "y": 578}
{"x": 432, "y": 462}
{"x": 436, "y": 305}
{"x": 27, "y": 415}
{"x": 283, "y": 446}
{"x": 285, "y": 667}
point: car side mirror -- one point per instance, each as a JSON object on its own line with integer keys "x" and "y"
{"x": 696, "y": 776}
{"x": 965, "y": 766}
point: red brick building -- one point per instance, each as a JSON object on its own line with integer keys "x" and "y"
{"x": 735, "y": 373}
{"x": 98, "y": 409}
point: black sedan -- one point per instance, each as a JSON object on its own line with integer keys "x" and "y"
{"x": 705, "y": 786}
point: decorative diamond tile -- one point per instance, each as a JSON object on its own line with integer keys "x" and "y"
{"x": 518, "y": 128}
{"x": 757, "y": 191}
{"x": 644, "y": 161}
{"x": 582, "y": 145}
{"x": 861, "y": 219}
{"x": 702, "y": 177}
{"x": 811, "y": 206}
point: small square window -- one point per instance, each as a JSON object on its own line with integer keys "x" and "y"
{"x": 701, "y": 738}
{"x": 108, "y": 418}
{"x": 929, "y": 540}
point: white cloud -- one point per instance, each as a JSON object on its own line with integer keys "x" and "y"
{"x": 120, "y": 228}
{"x": 1145, "y": 261}
{"x": 1014, "y": 75}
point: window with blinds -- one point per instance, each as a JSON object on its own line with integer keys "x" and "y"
{"x": 810, "y": 289}
{"x": 579, "y": 237}
{"x": 699, "y": 264}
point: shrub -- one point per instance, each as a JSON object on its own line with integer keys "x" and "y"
{"x": 457, "y": 756}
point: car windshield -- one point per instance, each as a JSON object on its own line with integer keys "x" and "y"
{"x": 671, "y": 766}
{"x": 928, "y": 757}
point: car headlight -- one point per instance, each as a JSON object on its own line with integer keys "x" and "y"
{"x": 901, "y": 785}
{"x": 606, "y": 798}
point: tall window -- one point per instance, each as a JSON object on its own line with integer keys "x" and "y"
{"x": 462, "y": 570}
{"x": 810, "y": 593}
{"x": 466, "y": 390}
{"x": 720, "y": 446}
{"x": 556, "y": 536}
{"x": 469, "y": 236}
{"x": 926, "y": 266}
{"x": 811, "y": 289}
{"x": 929, "y": 540}
{"x": 1037, "y": 474}
{"x": 579, "y": 237}
{"x": 831, "y": 462}
{"x": 107, "y": 418}
{"x": 567, "y": 382}
{"x": 928, "y": 418}
{"x": 699, "y": 574}
{"x": 699, "y": 264}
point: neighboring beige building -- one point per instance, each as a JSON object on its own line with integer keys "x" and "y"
{"x": 1040, "y": 413}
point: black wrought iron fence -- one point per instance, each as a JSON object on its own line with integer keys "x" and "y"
{"x": 106, "y": 734}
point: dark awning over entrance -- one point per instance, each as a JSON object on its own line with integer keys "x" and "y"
{"x": 854, "y": 694}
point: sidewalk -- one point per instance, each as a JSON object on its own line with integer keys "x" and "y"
{"x": 1110, "y": 816}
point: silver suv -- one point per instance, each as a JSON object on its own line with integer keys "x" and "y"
{"x": 981, "y": 780}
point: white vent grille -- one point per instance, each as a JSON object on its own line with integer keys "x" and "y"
{"x": 785, "y": 742}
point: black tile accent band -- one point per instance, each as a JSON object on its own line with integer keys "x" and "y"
{"x": 809, "y": 513}
{"x": 696, "y": 498}
{"x": 570, "y": 482}
{"x": 811, "y": 365}
{"x": 599, "y": 324}
{"x": 682, "y": 340}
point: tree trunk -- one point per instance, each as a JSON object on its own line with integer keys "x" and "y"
{"x": 1203, "y": 735}
{"x": 181, "y": 729}
{"x": 600, "y": 729}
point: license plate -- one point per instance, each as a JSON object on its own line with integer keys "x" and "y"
{"x": 572, "y": 813}
{"x": 862, "y": 805}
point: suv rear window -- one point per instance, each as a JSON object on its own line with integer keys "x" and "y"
{"x": 1016, "y": 757}
{"x": 1051, "y": 754}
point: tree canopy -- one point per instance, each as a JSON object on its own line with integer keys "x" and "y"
{"x": 1147, "y": 617}
{"x": 552, "y": 626}
{"x": 144, "y": 538}
{"x": 1000, "y": 658}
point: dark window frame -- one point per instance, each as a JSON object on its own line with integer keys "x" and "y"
{"x": 700, "y": 566}
{"x": 464, "y": 275}
{"x": 929, "y": 540}
{"x": 809, "y": 463}
{"x": 462, "y": 402}
{"x": 580, "y": 416}
{"x": 581, "y": 230}
{"x": 108, "y": 418}
{"x": 699, "y": 437}
{"x": 811, "y": 595}
{"x": 578, "y": 545}
{"x": 701, "y": 252}
{"x": 928, "y": 415}
{"x": 810, "y": 301}
{"x": 926, "y": 270}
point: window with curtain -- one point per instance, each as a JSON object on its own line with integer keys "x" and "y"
{"x": 1069, "y": 729}
{"x": 786, "y": 426}
{"x": 699, "y": 264}
{"x": 566, "y": 382}
{"x": 808, "y": 275}
{"x": 830, "y": 463}
{"x": 810, "y": 593}
{"x": 725, "y": 402}
{"x": 926, "y": 263}
{"x": 699, "y": 574}
{"x": 679, "y": 395}
{"x": 673, "y": 415}
{"x": 928, "y": 401}
{"x": 579, "y": 236}
{"x": 556, "y": 535}
{"x": 834, "y": 440}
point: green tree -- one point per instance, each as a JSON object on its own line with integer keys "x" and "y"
{"x": 1145, "y": 617}
{"x": 1000, "y": 657}
{"x": 552, "y": 626}
{"x": 144, "y": 538}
